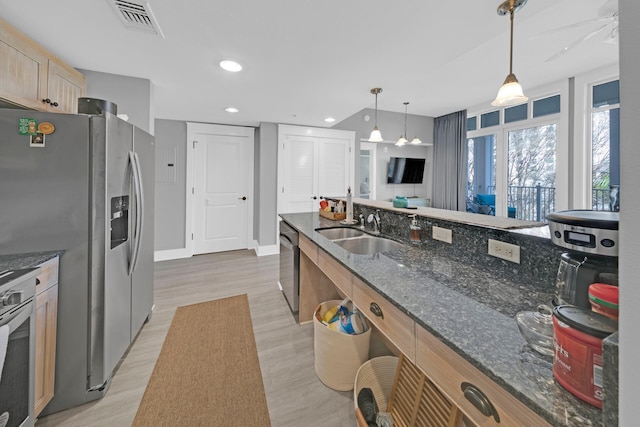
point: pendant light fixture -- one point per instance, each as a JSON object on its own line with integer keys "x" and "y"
{"x": 403, "y": 138}
{"x": 511, "y": 92}
{"x": 376, "y": 136}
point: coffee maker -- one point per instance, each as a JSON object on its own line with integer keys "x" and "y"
{"x": 591, "y": 240}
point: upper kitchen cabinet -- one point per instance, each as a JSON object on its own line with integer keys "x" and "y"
{"x": 313, "y": 163}
{"x": 33, "y": 78}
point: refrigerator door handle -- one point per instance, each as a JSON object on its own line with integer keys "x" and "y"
{"x": 138, "y": 200}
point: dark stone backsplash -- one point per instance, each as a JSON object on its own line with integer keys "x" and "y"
{"x": 539, "y": 258}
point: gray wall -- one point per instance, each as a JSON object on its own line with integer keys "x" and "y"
{"x": 266, "y": 173}
{"x": 391, "y": 126}
{"x": 134, "y": 96}
{"x": 171, "y": 184}
{"x": 629, "y": 372}
{"x": 171, "y": 147}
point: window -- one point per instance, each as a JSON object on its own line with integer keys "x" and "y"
{"x": 512, "y": 169}
{"x": 481, "y": 174}
{"x": 471, "y": 123}
{"x": 605, "y": 146}
{"x": 490, "y": 119}
{"x": 546, "y": 106}
{"x": 513, "y": 114}
{"x": 531, "y": 174}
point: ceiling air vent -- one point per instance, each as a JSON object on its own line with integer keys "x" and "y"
{"x": 137, "y": 16}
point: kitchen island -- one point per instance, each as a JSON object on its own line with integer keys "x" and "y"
{"x": 469, "y": 310}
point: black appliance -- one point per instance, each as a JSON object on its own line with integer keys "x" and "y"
{"x": 591, "y": 238}
{"x": 17, "y": 344}
{"x": 290, "y": 265}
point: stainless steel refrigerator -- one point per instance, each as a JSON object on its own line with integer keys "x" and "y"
{"x": 83, "y": 184}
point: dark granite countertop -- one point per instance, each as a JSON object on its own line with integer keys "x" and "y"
{"x": 470, "y": 311}
{"x": 26, "y": 260}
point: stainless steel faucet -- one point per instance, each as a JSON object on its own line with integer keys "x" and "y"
{"x": 376, "y": 222}
{"x": 362, "y": 221}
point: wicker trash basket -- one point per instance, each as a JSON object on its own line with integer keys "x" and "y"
{"x": 378, "y": 374}
{"x": 338, "y": 356}
{"x": 401, "y": 389}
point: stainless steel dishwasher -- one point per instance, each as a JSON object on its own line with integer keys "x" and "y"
{"x": 289, "y": 265}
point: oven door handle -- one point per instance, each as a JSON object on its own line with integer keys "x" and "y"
{"x": 19, "y": 317}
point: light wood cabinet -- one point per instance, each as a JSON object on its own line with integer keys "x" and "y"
{"x": 32, "y": 77}
{"x": 46, "y": 315}
{"x": 462, "y": 383}
{"x": 396, "y": 326}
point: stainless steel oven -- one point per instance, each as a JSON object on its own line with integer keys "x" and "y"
{"x": 17, "y": 340}
{"x": 290, "y": 265}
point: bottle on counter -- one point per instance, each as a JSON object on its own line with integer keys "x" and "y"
{"x": 349, "y": 206}
{"x": 414, "y": 230}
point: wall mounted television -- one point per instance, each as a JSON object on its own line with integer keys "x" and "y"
{"x": 404, "y": 170}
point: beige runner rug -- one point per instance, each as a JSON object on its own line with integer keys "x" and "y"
{"x": 208, "y": 373}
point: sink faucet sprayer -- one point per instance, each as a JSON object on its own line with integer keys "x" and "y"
{"x": 376, "y": 221}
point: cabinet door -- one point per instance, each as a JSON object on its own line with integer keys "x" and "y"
{"x": 65, "y": 86}
{"x": 333, "y": 166}
{"x": 312, "y": 162}
{"x": 46, "y": 314}
{"x": 23, "y": 69}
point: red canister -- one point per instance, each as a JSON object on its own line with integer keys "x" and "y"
{"x": 604, "y": 299}
{"x": 577, "y": 356}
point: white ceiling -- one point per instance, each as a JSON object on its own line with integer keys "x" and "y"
{"x": 305, "y": 60}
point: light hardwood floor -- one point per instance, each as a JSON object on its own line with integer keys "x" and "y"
{"x": 295, "y": 395}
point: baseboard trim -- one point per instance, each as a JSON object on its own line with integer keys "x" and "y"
{"x": 267, "y": 250}
{"x": 171, "y": 254}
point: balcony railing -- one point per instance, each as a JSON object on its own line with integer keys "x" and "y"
{"x": 534, "y": 203}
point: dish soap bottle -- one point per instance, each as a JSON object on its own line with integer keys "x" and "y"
{"x": 349, "y": 206}
{"x": 414, "y": 230}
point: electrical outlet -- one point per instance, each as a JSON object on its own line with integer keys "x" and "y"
{"x": 504, "y": 250}
{"x": 442, "y": 234}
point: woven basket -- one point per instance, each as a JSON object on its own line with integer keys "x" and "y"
{"x": 401, "y": 389}
{"x": 338, "y": 355}
{"x": 377, "y": 374}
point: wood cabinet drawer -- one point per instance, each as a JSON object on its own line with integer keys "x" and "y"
{"x": 339, "y": 275}
{"x": 309, "y": 248}
{"x": 48, "y": 275}
{"x": 449, "y": 371}
{"x": 393, "y": 323}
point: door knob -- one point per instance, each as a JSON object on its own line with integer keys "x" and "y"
{"x": 314, "y": 197}
{"x": 242, "y": 198}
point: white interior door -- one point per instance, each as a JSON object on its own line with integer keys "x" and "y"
{"x": 300, "y": 168}
{"x": 222, "y": 189}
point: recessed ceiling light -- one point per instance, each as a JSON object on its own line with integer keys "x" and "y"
{"x": 231, "y": 110}
{"x": 232, "y": 66}
{"x": 329, "y": 120}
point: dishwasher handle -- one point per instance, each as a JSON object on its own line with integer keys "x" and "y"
{"x": 286, "y": 242}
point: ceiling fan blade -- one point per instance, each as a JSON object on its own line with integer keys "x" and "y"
{"x": 610, "y": 8}
{"x": 576, "y": 43}
{"x": 568, "y": 27}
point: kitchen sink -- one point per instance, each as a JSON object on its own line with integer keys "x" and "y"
{"x": 339, "y": 233}
{"x": 366, "y": 245}
{"x": 357, "y": 241}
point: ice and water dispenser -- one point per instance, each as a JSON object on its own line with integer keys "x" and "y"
{"x": 119, "y": 220}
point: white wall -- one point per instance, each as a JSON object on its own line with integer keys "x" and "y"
{"x": 629, "y": 372}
